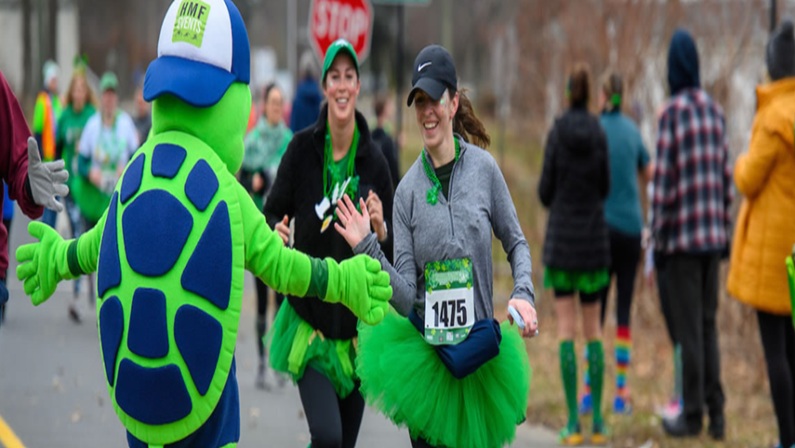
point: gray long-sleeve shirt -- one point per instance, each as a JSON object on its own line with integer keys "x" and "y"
{"x": 461, "y": 226}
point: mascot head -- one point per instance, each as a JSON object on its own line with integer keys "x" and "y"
{"x": 199, "y": 82}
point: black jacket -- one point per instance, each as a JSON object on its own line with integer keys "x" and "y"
{"x": 296, "y": 190}
{"x": 574, "y": 184}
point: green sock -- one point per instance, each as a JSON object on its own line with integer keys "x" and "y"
{"x": 568, "y": 371}
{"x": 596, "y": 372}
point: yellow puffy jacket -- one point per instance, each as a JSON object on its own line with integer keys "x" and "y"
{"x": 765, "y": 230}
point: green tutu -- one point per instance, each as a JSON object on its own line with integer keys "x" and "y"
{"x": 403, "y": 377}
{"x": 587, "y": 282}
{"x": 294, "y": 345}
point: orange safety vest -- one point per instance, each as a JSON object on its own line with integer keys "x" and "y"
{"x": 48, "y": 129}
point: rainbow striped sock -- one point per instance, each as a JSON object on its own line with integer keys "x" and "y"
{"x": 623, "y": 352}
{"x": 586, "y": 377}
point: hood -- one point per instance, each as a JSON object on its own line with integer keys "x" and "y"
{"x": 576, "y": 130}
{"x": 766, "y": 94}
{"x": 683, "y": 70}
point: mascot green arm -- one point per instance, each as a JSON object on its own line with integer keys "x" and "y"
{"x": 358, "y": 282}
{"x": 51, "y": 259}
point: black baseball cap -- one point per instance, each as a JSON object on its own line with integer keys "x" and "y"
{"x": 434, "y": 71}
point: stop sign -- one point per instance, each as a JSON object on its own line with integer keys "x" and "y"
{"x": 351, "y": 20}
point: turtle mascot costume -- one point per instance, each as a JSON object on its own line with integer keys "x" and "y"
{"x": 172, "y": 247}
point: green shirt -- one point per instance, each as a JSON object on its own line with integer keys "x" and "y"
{"x": 339, "y": 169}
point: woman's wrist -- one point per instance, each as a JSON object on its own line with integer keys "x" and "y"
{"x": 383, "y": 233}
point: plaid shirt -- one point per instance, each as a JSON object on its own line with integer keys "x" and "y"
{"x": 692, "y": 177}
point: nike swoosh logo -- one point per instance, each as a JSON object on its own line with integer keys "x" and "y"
{"x": 422, "y": 66}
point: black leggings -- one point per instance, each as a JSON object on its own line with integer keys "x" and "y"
{"x": 421, "y": 443}
{"x": 778, "y": 341}
{"x": 262, "y": 313}
{"x": 585, "y": 298}
{"x": 333, "y": 421}
{"x": 624, "y": 257}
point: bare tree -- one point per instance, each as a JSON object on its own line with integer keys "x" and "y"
{"x": 27, "y": 49}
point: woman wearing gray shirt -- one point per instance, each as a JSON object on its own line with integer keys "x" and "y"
{"x": 449, "y": 372}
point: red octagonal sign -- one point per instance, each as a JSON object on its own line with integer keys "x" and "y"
{"x": 330, "y": 20}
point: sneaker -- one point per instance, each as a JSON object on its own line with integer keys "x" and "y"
{"x": 571, "y": 436}
{"x": 671, "y": 409}
{"x": 679, "y": 427}
{"x": 586, "y": 405}
{"x": 600, "y": 434}
{"x": 622, "y": 405}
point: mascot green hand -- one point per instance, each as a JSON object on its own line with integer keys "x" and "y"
{"x": 45, "y": 263}
{"x": 361, "y": 285}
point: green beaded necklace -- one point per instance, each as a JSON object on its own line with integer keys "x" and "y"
{"x": 328, "y": 158}
{"x": 432, "y": 197}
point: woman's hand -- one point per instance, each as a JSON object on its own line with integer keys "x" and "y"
{"x": 376, "y": 210}
{"x": 283, "y": 229}
{"x": 528, "y": 313}
{"x": 353, "y": 226}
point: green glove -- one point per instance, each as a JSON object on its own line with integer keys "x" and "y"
{"x": 45, "y": 263}
{"x": 361, "y": 285}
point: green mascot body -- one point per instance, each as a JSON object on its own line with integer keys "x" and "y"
{"x": 175, "y": 227}
{"x": 171, "y": 251}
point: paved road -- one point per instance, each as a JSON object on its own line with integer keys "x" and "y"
{"x": 53, "y": 394}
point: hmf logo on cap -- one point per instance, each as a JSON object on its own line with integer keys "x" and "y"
{"x": 191, "y": 22}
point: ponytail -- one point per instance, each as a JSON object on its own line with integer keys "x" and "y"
{"x": 467, "y": 124}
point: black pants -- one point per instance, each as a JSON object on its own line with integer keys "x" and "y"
{"x": 333, "y": 421}
{"x": 692, "y": 281}
{"x": 262, "y": 313}
{"x": 662, "y": 292}
{"x": 778, "y": 340}
{"x": 624, "y": 257}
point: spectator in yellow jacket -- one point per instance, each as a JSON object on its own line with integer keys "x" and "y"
{"x": 765, "y": 228}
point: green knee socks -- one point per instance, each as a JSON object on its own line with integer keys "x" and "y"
{"x": 568, "y": 371}
{"x": 596, "y": 373}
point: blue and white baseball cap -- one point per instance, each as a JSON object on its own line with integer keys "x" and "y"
{"x": 203, "y": 49}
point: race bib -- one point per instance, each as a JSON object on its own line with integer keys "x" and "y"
{"x": 449, "y": 301}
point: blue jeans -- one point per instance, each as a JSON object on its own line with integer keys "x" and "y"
{"x": 3, "y": 298}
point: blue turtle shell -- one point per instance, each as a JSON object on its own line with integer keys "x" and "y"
{"x": 170, "y": 283}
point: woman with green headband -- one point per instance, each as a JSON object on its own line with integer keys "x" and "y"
{"x": 450, "y": 372}
{"x": 311, "y": 341}
{"x": 628, "y": 160}
{"x": 575, "y": 180}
